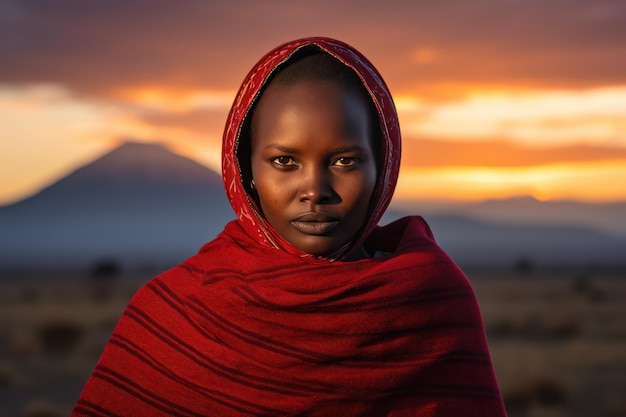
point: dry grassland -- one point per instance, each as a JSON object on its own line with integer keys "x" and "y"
{"x": 558, "y": 340}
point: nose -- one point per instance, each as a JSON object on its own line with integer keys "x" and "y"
{"x": 316, "y": 186}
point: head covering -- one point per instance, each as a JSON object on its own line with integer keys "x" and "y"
{"x": 234, "y": 170}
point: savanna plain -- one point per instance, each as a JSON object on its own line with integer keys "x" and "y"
{"x": 557, "y": 338}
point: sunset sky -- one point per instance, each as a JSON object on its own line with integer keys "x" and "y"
{"x": 497, "y": 98}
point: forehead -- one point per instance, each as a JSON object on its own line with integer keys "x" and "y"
{"x": 313, "y": 93}
{"x": 320, "y": 105}
{"x": 312, "y": 99}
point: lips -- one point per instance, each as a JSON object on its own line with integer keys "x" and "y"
{"x": 315, "y": 223}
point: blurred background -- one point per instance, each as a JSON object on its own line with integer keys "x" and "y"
{"x": 513, "y": 116}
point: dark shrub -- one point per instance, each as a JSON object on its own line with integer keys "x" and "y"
{"x": 549, "y": 392}
{"x": 59, "y": 337}
{"x": 106, "y": 269}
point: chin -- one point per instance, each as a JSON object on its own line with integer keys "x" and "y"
{"x": 319, "y": 248}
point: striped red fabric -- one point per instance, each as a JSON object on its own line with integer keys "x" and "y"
{"x": 241, "y": 329}
{"x": 252, "y": 326}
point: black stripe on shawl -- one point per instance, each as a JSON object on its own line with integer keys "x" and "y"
{"x": 326, "y": 306}
{"x": 213, "y": 394}
{"x": 232, "y": 374}
{"x": 94, "y": 410}
{"x": 165, "y": 295}
{"x": 137, "y": 390}
{"x": 311, "y": 356}
{"x": 470, "y": 357}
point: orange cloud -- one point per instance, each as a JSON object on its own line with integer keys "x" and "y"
{"x": 168, "y": 100}
{"x": 541, "y": 118}
{"x": 429, "y": 153}
{"x": 593, "y": 181}
{"x": 481, "y": 94}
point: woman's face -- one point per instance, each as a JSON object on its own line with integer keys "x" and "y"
{"x": 313, "y": 164}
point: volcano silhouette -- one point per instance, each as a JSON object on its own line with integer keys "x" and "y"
{"x": 139, "y": 203}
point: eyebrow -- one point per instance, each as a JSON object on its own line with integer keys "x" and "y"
{"x": 294, "y": 151}
{"x": 346, "y": 149}
{"x": 282, "y": 148}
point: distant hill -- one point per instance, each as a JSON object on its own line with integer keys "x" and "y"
{"x": 609, "y": 218}
{"x": 494, "y": 244}
{"x": 503, "y": 232}
{"x": 142, "y": 205}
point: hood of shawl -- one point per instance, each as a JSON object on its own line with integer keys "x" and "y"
{"x": 236, "y": 173}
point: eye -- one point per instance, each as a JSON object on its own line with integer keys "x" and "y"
{"x": 283, "y": 161}
{"x": 346, "y": 162}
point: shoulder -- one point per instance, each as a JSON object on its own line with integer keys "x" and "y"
{"x": 398, "y": 234}
{"x": 188, "y": 276}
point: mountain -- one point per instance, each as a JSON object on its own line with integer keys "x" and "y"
{"x": 609, "y": 218}
{"x": 142, "y": 205}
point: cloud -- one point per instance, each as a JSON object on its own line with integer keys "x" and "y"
{"x": 100, "y": 46}
{"x": 592, "y": 181}
{"x": 429, "y": 153}
{"x": 162, "y": 99}
{"x": 478, "y": 84}
{"x": 205, "y": 123}
{"x": 47, "y": 132}
{"x": 540, "y": 118}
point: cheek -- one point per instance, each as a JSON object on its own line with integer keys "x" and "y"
{"x": 271, "y": 194}
{"x": 370, "y": 178}
{"x": 359, "y": 189}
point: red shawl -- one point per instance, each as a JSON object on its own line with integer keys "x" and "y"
{"x": 250, "y": 326}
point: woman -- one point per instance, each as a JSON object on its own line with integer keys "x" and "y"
{"x": 303, "y": 305}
